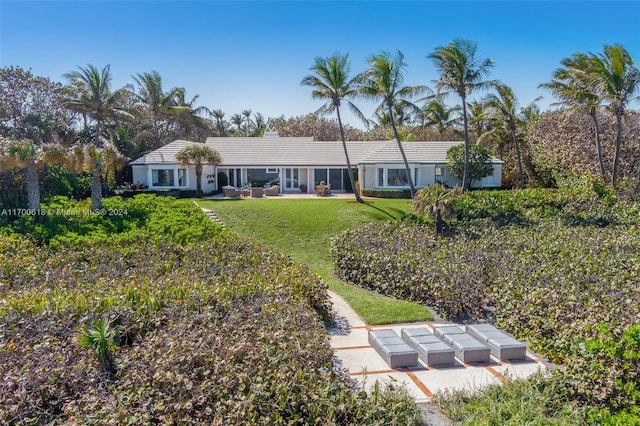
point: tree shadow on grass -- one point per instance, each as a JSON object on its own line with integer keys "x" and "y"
{"x": 386, "y": 213}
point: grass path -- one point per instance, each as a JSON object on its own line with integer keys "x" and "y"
{"x": 303, "y": 228}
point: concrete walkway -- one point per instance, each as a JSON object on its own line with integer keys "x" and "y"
{"x": 355, "y": 356}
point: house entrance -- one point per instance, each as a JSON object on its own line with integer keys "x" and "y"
{"x": 291, "y": 179}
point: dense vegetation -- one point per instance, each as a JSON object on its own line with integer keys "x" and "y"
{"x": 183, "y": 326}
{"x": 556, "y": 267}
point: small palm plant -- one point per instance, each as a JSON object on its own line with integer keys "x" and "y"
{"x": 436, "y": 202}
{"x": 104, "y": 340}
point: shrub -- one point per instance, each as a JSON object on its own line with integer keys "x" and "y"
{"x": 63, "y": 222}
{"x": 386, "y": 193}
{"x": 218, "y": 332}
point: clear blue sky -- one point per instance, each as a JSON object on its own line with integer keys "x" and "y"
{"x": 252, "y": 54}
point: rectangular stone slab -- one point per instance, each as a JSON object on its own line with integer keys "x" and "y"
{"x": 392, "y": 348}
{"x": 431, "y": 350}
{"x": 467, "y": 348}
{"x": 503, "y": 346}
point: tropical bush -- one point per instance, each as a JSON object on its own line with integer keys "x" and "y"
{"x": 558, "y": 268}
{"x": 562, "y": 146}
{"x": 64, "y": 222}
{"x": 188, "y": 329}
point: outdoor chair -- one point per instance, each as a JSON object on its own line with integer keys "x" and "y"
{"x": 256, "y": 192}
{"x": 272, "y": 191}
{"x": 231, "y": 192}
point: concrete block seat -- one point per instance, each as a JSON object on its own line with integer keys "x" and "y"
{"x": 467, "y": 348}
{"x": 431, "y": 350}
{"x": 503, "y": 346}
{"x": 392, "y": 348}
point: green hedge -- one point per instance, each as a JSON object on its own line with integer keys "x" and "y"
{"x": 386, "y": 193}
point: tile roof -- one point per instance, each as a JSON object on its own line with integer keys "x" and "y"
{"x": 164, "y": 154}
{"x": 304, "y": 152}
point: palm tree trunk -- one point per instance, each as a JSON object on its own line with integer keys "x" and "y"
{"x": 33, "y": 186}
{"x": 439, "y": 222}
{"x": 465, "y": 175}
{"x": 346, "y": 155}
{"x": 412, "y": 189}
{"x": 596, "y": 126}
{"x": 96, "y": 173}
{"x": 518, "y": 156}
{"x": 198, "y": 180}
{"x": 616, "y": 156}
{"x": 96, "y": 187}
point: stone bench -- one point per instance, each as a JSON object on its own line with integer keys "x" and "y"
{"x": 467, "y": 348}
{"x": 431, "y": 350}
{"x": 503, "y": 346}
{"x": 392, "y": 348}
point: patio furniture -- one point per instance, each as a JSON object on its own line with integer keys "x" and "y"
{"x": 467, "y": 348}
{"x": 503, "y": 346}
{"x": 431, "y": 350}
{"x": 323, "y": 190}
{"x": 392, "y": 348}
{"x": 272, "y": 190}
{"x": 256, "y": 192}
{"x": 231, "y": 192}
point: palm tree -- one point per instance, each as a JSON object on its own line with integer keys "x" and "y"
{"x": 157, "y": 103}
{"x": 439, "y": 115}
{"x": 260, "y": 124}
{"x": 615, "y": 78}
{"x": 461, "y": 71}
{"x": 198, "y": 154}
{"x": 503, "y": 115}
{"x": 477, "y": 118}
{"x": 188, "y": 118}
{"x": 30, "y": 156}
{"x": 384, "y": 80}
{"x": 331, "y": 82}
{"x": 436, "y": 202}
{"x": 218, "y": 116}
{"x": 247, "y": 118}
{"x": 89, "y": 92}
{"x": 237, "y": 120}
{"x": 572, "y": 86}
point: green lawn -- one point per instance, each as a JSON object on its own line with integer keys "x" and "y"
{"x": 303, "y": 228}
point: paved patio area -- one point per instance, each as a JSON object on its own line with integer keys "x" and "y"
{"x": 349, "y": 340}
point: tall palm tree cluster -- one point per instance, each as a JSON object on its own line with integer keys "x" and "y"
{"x": 242, "y": 124}
{"x": 587, "y": 81}
{"x": 87, "y": 126}
{"x": 593, "y": 82}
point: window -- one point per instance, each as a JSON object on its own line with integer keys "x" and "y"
{"x": 162, "y": 177}
{"x": 261, "y": 177}
{"x": 391, "y": 177}
{"x": 438, "y": 171}
{"x": 182, "y": 177}
{"x": 397, "y": 177}
{"x": 320, "y": 175}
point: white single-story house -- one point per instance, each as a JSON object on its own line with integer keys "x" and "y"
{"x": 295, "y": 161}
